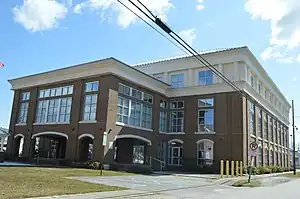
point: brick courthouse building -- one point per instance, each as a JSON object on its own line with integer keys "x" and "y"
{"x": 173, "y": 110}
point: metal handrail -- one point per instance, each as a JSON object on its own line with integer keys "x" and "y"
{"x": 162, "y": 163}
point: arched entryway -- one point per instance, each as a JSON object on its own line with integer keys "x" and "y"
{"x": 50, "y": 145}
{"x": 131, "y": 149}
{"x": 85, "y": 147}
{"x": 18, "y": 145}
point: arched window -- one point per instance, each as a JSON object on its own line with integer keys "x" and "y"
{"x": 205, "y": 152}
{"x": 175, "y": 152}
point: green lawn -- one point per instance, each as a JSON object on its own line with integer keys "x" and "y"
{"x": 292, "y": 175}
{"x": 22, "y": 182}
{"x": 244, "y": 183}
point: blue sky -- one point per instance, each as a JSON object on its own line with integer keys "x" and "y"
{"x": 41, "y": 35}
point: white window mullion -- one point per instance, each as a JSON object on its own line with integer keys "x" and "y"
{"x": 58, "y": 111}
{"x": 141, "y": 114}
{"x": 47, "y": 108}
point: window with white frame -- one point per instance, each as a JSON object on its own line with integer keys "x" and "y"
{"x": 177, "y": 116}
{"x": 252, "y": 118}
{"x": 206, "y": 115}
{"x": 55, "y": 92}
{"x": 177, "y": 80}
{"x": 205, "y": 77}
{"x": 205, "y": 154}
{"x": 265, "y": 126}
{"x": 266, "y": 94}
{"x": 163, "y": 116}
{"x": 54, "y": 110}
{"x": 90, "y": 107}
{"x": 270, "y": 128}
{"x": 90, "y": 101}
{"x": 163, "y": 121}
{"x": 135, "y": 93}
{"x": 266, "y": 156}
{"x": 275, "y": 131}
{"x": 259, "y": 123}
{"x": 137, "y": 111}
{"x": 252, "y": 81}
{"x": 23, "y": 110}
{"x": 271, "y": 157}
{"x": 175, "y": 153}
{"x": 259, "y": 88}
{"x": 260, "y": 155}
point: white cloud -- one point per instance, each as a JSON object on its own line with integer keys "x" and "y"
{"x": 124, "y": 16}
{"x": 294, "y": 79}
{"x": 188, "y": 35}
{"x": 298, "y": 58}
{"x": 39, "y": 15}
{"x": 284, "y": 18}
{"x": 200, "y": 5}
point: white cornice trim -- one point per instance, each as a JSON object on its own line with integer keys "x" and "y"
{"x": 92, "y": 69}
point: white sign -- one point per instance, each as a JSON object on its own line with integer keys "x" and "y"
{"x": 104, "y": 141}
{"x": 252, "y": 153}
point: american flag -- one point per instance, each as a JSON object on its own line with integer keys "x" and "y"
{"x": 1, "y": 64}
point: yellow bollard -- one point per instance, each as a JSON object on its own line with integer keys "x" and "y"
{"x": 227, "y": 168}
{"x": 237, "y": 168}
{"x": 221, "y": 168}
{"x": 232, "y": 168}
{"x": 241, "y": 168}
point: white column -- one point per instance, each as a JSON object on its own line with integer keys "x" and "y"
{"x": 236, "y": 76}
{"x": 221, "y": 70}
{"x": 190, "y": 77}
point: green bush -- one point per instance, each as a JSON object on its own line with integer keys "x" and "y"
{"x": 94, "y": 165}
{"x": 264, "y": 170}
{"x": 255, "y": 171}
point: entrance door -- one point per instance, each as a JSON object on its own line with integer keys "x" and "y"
{"x": 138, "y": 154}
{"x": 176, "y": 156}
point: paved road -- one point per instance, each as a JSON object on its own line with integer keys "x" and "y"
{"x": 201, "y": 189}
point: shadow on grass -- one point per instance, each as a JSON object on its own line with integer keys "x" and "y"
{"x": 244, "y": 183}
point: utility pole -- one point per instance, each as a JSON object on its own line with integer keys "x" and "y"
{"x": 294, "y": 138}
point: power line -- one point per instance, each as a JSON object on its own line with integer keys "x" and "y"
{"x": 151, "y": 26}
{"x": 192, "y": 51}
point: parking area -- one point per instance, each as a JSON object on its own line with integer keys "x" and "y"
{"x": 150, "y": 183}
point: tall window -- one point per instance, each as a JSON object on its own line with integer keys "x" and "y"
{"x": 259, "y": 123}
{"x": 177, "y": 81}
{"x": 252, "y": 81}
{"x": 265, "y": 128}
{"x": 266, "y": 157}
{"x": 54, "y": 110}
{"x": 266, "y": 94}
{"x": 163, "y": 116}
{"x": 271, "y": 157}
{"x": 23, "y": 110}
{"x": 206, "y": 115}
{"x": 259, "y": 88}
{"x": 260, "y": 155}
{"x": 205, "y": 77}
{"x": 274, "y": 131}
{"x": 251, "y": 118}
{"x": 137, "y": 111}
{"x": 205, "y": 153}
{"x": 270, "y": 128}
{"x": 175, "y": 153}
{"x": 90, "y": 100}
{"x": 177, "y": 116}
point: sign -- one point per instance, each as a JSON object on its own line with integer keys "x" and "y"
{"x": 104, "y": 141}
{"x": 253, "y": 146}
{"x": 252, "y": 153}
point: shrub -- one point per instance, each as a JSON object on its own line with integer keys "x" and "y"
{"x": 255, "y": 171}
{"x": 264, "y": 170}
{"x": 139, "y": 169}
{"x": 94, "y": 165}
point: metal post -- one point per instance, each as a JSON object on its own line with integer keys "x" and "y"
{"x": 294, "y": 139}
